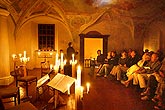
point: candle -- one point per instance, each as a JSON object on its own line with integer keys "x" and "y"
{"x": 79, "y": 75}
{"x": 39, "y": 53}
{"x": 62, "y": 57}
{"x": 24, "y": 54}
{"x": 14, "y": 56}
{"x": 56, "y": 59}
{"x": 20, "y": 55}
{"x": 62, "y": 61}
{"x": 82, "y": 90}
{"x": 28, "y": 59}
{"x": 56, "y": 68}
{"x": 73, "y": 57}
{"x": 65, "y": 62}
{"x": 88, "y": 85}
{"x": 68, "y": 86}
{"x": 51, "y": 66}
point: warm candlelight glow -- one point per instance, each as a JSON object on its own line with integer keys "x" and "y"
{"x": 51, "y": 66}
{"x": 39, "y": 53}
{"x": 68, "y": 86}
{"x": 65, "y": 62}
{"x": 62, "y": 61}
{"x": 73, "y": 57}
{"x": 79, "y": 75}
{"x": 20, "y": 55}
{"x": 24, "y": 54}
{"x": 88, "y": 85}
{"x": 82, "y": 90}
{"x": 56, "y": 68}
{"x": 14, "y": 56}
{"x": 56, "y": 59}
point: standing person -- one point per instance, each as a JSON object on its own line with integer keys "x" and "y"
{"x": 70, "y": 51}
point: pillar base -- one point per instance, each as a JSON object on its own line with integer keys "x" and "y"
{"x": 4, "y": 81}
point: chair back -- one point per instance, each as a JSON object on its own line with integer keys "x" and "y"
{"x": 1, "y": 104}
{"x": 19, "y": 71}
{"x": 45, "y": 68}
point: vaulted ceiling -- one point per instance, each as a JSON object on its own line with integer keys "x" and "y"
{"x": 138, "y": 8}
{"x": 22, "y": 10}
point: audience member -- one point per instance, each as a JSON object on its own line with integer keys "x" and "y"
{"x": 130, "y": 72}
{"x": 160, "y": 88}
{"x": 112, "y": 61}
{"x": 122, "y": 66}
{"x": 143, "y": 74}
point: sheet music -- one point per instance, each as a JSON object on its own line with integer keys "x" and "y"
{"x": 42, "y": 80}
{"x": 60, "y": 82}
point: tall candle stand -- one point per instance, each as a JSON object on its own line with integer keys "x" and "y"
{"x": 79, "y": 90}
{"x": 15, "y": 59}
{"x": 45, "y": 54}
{"x": 73, "y": 62}
{"x": 24, "y": 60}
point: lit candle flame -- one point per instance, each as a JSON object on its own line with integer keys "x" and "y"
{"x": 88, "y": 85}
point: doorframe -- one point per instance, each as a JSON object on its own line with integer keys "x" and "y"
{"x": 92, "y": 35}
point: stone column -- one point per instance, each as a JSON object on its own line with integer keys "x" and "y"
{"x": 5, "y": 77}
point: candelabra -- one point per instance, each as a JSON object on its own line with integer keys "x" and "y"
{"x": 45, "y": 54}
{"x": 22, "y": 59}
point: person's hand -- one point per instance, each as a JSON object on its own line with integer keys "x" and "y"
{"x": 161, "y": 74}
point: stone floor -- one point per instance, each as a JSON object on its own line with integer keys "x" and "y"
{"x": 104, "y": 94}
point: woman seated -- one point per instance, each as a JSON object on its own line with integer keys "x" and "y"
{"x": 136, "y": 67}
{"x": 118, "y": 69}
{"x": 109, "y": 62}
{"x": 159, "y": 77}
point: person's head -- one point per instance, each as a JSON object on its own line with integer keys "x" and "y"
{"x": 133, "y": 54}
{"x": 70, "y": 44}
{"x": 99, "y": 52}
{"x": 124, "y": 54}
{"x": 61, "y": 51}
{"x": 154, "y": 57}
{"x": 146, "y": 57}
{"x": 113, "y": 53}
{"x": 109, "y": 54}
{"x": 146, "y": 50}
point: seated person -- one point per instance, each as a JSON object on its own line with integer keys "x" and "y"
{"x": 130, "y": 72}
{"x": 160, "y": 88}
{"x": 117, "y": 70}
{"x": 133, "y": 59}
{"x": 143, "y": 74}
{"x": 100, "y": 58}
{"x": 112, "y": 61}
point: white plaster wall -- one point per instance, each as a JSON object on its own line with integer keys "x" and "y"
{"x": 120, "y": 35}
{"x": 12, "y": 47}
{"x": 27, "y": 39}
{"x": 155, "y": 36}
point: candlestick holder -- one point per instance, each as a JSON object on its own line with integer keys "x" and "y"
{"x": 24, "y": 60}
{"x": 45, "y": 54}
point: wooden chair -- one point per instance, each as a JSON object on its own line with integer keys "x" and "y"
{"x": 25, "y": 79}
{"x": 9, "y": 93}
{"x": 45, "y": 68}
